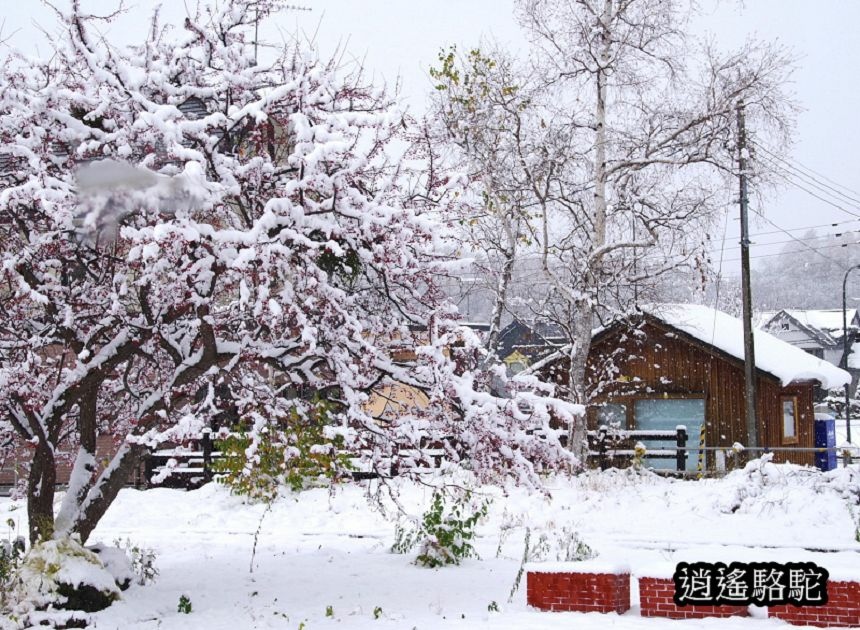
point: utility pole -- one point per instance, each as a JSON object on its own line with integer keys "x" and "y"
{"x": 749, "y": 346}
{"x": 846, "y": 348}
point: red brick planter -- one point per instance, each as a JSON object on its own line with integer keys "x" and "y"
{"x": 842, "y": 608}
{"x": 655, "y": 600}
{"x": 578, "y": 586}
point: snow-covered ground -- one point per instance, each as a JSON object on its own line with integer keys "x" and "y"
{"x": 322, "y": 548}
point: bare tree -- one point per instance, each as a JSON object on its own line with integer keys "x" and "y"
{"x": 485, "y": 107}
{"x": 624, "y": 150}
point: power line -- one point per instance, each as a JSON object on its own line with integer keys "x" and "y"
{"x": 782, "y": 242}
{"x": 809, "y": 179}
{"x": 806, "y": 170}
{"x": 807, "y": 227}
{"x": 801, "y": 251}
{"x": 794, "y": 238}
{"x": 789, "y": 178}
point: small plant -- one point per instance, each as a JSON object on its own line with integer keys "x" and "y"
{"x": 493, "y": 606}
{"x": 184, "y": 605}
{"x": 377, "y": 612}
{"x": 571, "y": 548}
{"x": 565, "y": 546}
{"x": 11, "y": 551}
{"x": 526, "y": 555}
{"x": 855, "y": 517}
{"x": 329, "y": 611}
{"x": 142, "y": 561}
{"x": 444, "y": 535}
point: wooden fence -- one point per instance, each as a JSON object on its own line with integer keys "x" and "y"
{"x": 606, "y": 445}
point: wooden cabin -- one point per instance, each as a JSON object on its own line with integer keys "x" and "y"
{"x": 683, "y": 365}
{"x": 520, "y": 344}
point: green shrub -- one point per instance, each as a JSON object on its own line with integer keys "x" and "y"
{"x": 289, "y": 453}
{"x": 444, "y": 535}
{"x": 184, "y": 605}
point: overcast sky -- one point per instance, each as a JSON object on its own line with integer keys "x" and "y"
{"x": 401, "y": 38}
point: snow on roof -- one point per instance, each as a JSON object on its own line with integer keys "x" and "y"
{"x": 829, "y": 320}
{"x": 761, "y": 319}
{"x": 826, "y": 321}
{"x": 772, "y": 355}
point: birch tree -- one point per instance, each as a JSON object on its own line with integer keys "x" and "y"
{"x": 631, "y": 152}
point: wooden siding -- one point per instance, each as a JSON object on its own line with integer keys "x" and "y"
{"x": 658, "y": 361}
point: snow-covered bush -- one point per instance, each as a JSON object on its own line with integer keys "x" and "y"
{"x": 61, "y": 573}
{"x": 11, "y": 552}
{"x": 140, "y": 561}
{"x": 445, "y": 532}
{"x": 761, "y": 483}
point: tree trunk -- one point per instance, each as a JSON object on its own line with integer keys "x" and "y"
{"x": 105, "y": 489}
{"x": 81, "y": 479}
{"x": 576, "y": 379}
{"x": 600, "y": 132}
{"x": 583, "y": 311}
{"x": 40, "y": 493}
{"x": 502, "y": 292}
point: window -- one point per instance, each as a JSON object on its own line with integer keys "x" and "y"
{"x": 786, "y": 326}
{"x": 789, "y": 420}
{"x": 665, "y": 414}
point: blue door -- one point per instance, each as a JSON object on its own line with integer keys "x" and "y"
{"x": 665, "y": 414}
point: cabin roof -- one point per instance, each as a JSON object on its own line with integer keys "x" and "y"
{"x": 724, "y": 333}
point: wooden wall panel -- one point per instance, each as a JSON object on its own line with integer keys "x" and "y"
{"x": 688, "y": 367}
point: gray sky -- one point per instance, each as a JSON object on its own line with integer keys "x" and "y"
{"x": 402, "y": 38}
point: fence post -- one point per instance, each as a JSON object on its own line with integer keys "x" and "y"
{"x": 681, "y": 452}
{"x": 148, "y": 468}
{"x": 601, "y": 447}
{"x": 206, "y": 443}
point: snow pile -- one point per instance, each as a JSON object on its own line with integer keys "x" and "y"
{"x": 772, "y": 355}
{"x": 785, "y": 486}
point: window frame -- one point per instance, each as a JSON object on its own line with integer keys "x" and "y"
{"x": 790, "y": 439}
{"x": 629, "y": 400}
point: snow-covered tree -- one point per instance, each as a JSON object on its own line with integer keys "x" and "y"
{"x": 485, "y": 109}
{"x": 188, "y": 231}
{"x": 625, "y": 146}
